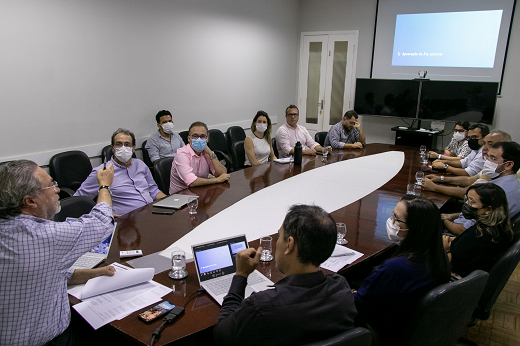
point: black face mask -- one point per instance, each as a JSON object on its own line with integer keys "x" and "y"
{"x": 469, "y": 212}
{"x": 473, "y": 144}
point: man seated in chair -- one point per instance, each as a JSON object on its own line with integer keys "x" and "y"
{"x": 346, "y": 134}
{"x": 133, "y": 184}
{"x": 194, "y": 162}
{"x": 305, "y": 306}
{"x": 164, "y": 142}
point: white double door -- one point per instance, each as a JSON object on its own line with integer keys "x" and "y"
{"x": 327, "y": 77}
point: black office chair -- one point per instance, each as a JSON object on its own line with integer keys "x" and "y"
{"x": 275, "y": 149}
{"x": 69, "y": 169}
{"x": 234, "y": 134}
{"x": 106, "y": 153}
{"x": 218, "y": 144}
{"x": 162, "y": 168}
{"x": 146, "y": 157}
{"x": 320, "y": 137}
{"x": 355, "y": 337}
{"x": 443, "y": 314}
{"x": 74, "y": 207}
{"x": 184, "y": 135}
{"x": 239, "y": 155}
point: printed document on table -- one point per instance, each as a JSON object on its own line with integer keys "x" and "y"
{"x": 341, "y": 256}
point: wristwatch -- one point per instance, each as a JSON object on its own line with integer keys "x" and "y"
{"x": 442, "y": 178}
{"x": 439, "y": 156}
{"x": 213, "y": 155}
{"x": 446, "y": 166}
{"x": 106, "y": 187}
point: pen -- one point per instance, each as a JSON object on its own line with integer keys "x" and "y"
{"x": 344, "y": 254}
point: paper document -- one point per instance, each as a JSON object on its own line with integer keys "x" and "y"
{"x": 286, "y": 160}
{"x": 341, "y": 256}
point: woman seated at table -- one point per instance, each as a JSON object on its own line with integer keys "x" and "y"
{"x": 388, "y": 296}
{"x": 458, "y": 147}
{"x": 480, "y": 246}
{"x": 258, "y": 145}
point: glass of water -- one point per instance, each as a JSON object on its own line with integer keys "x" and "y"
{"x": 342, "y": 232}
{"x": 193, "y": 203}
{"x": 419, "y": 176}
{"x": 424, "y": 158}
{"x": 422, "y": 149}
{"x": 178, "y": 265}
{"x": 266, "y": 243}
{"x": 325, "y": 152}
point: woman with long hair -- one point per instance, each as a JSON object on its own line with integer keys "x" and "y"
{"x": 257, "y": 145}
{"x": 390, "y": 293}
{"x": 480, "y": 246}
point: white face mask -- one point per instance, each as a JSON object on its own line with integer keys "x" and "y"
{"x": 489, "y": 169}
{"x": 458, "y": 136}
{"x": 392, "y": 229}
{"x": 167, "y": 128}
{"x": 261, "y": 127}
{"x": 124, "y": 154}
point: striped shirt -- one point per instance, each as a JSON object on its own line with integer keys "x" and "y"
{"x": 337, "y": 137}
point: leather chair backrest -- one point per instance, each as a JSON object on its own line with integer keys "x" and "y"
{"x": 217, "y": 141}
{"x": 162, "y": 169}
{"x": 70, "y": 168}
{"x": 184, "y": 135}
{"x": 234, "y": 134}
{"x": 355, "y": 337}
{"x": 239, "y": 155}
{"x": 74, "y": 207}
{"x": 320, "y": 137}
{"x": 275, "y": 149}
{"x": 443, "y": 314}
{"x": 146, "y": 157}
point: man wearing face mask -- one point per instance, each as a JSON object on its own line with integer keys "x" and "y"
{"x": 193, "y": 163}
{"x": 346, "y": 134}
{"x": 471, "y": 164}
{"x": 133, "y": 185}
{"x": 164, "y": 142}
{"x": 501, "y": 165}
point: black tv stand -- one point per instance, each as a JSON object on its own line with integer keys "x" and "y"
{"x": 414, "y": 138}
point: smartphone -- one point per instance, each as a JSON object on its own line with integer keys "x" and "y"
{"x": 165, "y": 211}
{"x": 155, "y": 312}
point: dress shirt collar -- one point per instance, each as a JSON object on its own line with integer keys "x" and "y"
{"x": 310, "y": 279}
{"x": 121, "y": 166}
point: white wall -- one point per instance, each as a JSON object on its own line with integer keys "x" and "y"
{"x": 73, "y": 71}
{"x": 332, "y": 15}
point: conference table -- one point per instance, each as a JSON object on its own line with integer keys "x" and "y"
{"x": 365, "y": 220}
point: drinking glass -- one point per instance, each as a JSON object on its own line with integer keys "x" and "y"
{"x": 419, "y": 176}
{"x": 193, "y": 203}
{"x": 422, "y": 148}
{"x": 267, "y": 248}
{"x": 342, "y": 232}
{"x": 410, "y": 189}
{"x": 178, "y": 265}
{"x": 424, "y": 158}
{"x": 325, "y": 152}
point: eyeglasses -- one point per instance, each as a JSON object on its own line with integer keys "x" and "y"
{"x": 196, "y": 136}
{"x": 126, "y": 144}
{"x": 54, "y": 186}
{"x": 293, "y": 115}
{"x": 394, "y": 218}
{"x": 462, "y": 130}
{"x": 474, "y": 137}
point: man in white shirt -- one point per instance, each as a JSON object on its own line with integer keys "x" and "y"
{"x": 290, "y": 133}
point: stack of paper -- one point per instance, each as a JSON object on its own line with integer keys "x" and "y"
{"x": 341, "y": 256}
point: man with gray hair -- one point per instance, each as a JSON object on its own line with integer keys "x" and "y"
{"x": 36, "y": 253}
{"x": 133, "y": 184}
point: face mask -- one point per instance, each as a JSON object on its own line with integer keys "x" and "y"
{"x": 392, "y": 229}
{"x": 490, "y": 168}
{"x": 198, "y": 144}
{"x": 458, "y": 136}
{"x": 261, "y": 127}
{"x": 469, "y": 212}
{"x": 167, "y": 128}
{"x": 124, "y": 154}
{"x": 473, "y": 144}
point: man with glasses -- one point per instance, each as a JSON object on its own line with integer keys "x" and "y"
{"x": 290, "y": 133}
{"x": 471, "y": 164}
{"x": 36, "y": 253}
{"x": 133, "y": 184}
{"x": 164, "y": 142}
{"x": 194, "y": 162}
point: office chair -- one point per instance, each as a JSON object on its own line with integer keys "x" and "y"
{"x": 218, "y": 144}
{"x": 106, "y": 153}
{"x": 69, "y": 169}
{"x": 234, "y": 134}
{"x": 184, "y": 135}
{"x": 162, "y": 168}
{"x": 74, "y": 207}
{"x": 239, "y": 155}
{"x": 146, "y": 157}
{"x": 355, "y": 337}
{"x": 275, "y": 149}
{"x": 320, "y": 137}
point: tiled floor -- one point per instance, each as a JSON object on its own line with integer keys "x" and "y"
{"x": 503, "y": 326}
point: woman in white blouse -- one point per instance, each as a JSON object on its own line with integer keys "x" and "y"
{"x": 258, "y": 145}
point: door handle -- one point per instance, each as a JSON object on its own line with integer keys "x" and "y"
{"x": 321, "y": 104}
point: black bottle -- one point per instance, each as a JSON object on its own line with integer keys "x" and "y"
{"x": 298, "y": 154}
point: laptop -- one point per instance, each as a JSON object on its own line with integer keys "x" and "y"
{"x": 215, "y": 264}
{"x": 95, "y": 256}
{"x": 174, "y": 201}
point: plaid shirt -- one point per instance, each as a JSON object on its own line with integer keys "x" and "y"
{"x": 337, "y": 138}
{"x": 34, "y": 257}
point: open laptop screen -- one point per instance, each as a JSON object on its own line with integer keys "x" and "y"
{"x": 103, "y": 247}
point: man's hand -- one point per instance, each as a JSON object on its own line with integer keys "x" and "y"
{"x": 222, "y": 178}
{"x": 433, "y": 177}
{"x": 357, "y": 125}
{"x": 428, "y": 184}
{"x": 309, "y": 152}
{"x": 208, "y": 150}
{"x": 438, "y": 164}
{"x": 357, "y": 145}
{"x": 106, "y": 176}
{"x": 81, "y": 276}
{"x": 433, "y": 155}
{"x": 247, "y": 260}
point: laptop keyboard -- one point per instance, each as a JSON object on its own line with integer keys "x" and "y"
{"x": 222, "y": 286}
{"x": 86, "y": 262}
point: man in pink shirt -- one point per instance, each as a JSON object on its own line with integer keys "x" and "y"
{"x": 193, "y": 163}
{"x": 290, "y": 133}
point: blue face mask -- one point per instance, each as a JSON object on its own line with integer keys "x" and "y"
{"x": 198, "y": 144}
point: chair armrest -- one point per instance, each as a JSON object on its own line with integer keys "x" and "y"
{"x": 66, "y": 192}
{"x": 222, "y": 156}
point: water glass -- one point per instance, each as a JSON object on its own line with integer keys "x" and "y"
{"x": 193, "y": 203}
{"x": 424, "y": 158}
{"x": 419, "y": 176}
{"x": 267, "y": 249}
{"x": 178, "y": 265}
{"x": 325, "y": 152}
{"x": 422, "y": 148}
{"x": 413, "y": 189}
{"x": 342, "y": 232}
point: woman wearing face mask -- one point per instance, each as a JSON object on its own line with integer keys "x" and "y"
{"x": 458, "y": 147}
{"x": 258, "y": 145}
{"x": 390, "y": 293}
{"x": 481, "y": 245}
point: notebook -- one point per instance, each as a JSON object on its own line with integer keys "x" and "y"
{"x": 95, "y": 256}
{"x": 216, "y": 266}
{"x": 174, "y": 201}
